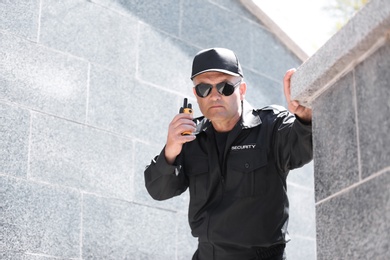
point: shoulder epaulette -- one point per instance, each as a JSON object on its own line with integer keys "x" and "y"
{"x": 275, "y": 108}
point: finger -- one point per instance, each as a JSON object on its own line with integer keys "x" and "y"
{"x": 182, "y": 116}
{"x": 184, "y": 125}
{"x": 188, "y": 138}
{"x": 295, "y": 104}
{"x": 304, "y": 113}
{"x": 181, "y": 119}
{"x": 186, "y": 129}
{"x": 180, "y": 124}
{"x": 299, "y": 109}
{"x": 179, "y": 139}
{"x": 286, "y": 84}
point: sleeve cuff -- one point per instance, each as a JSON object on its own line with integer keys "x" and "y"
{"x": 163, "y": 166}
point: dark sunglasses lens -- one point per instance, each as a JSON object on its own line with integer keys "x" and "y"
{"x": 203, "y": 90}
{"x": 225, "y": 88}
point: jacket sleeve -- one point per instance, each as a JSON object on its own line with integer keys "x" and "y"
{"x": 162, "y": 180}
{"x": 293, "y": 142}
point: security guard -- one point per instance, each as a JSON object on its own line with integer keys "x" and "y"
{"x": 235, "y": 163}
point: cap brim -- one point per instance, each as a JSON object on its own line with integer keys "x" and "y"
{"x": 217, "y": 70}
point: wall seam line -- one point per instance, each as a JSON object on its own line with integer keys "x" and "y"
{"x": 355, "y": 101}
{"x": 88, "y": 92}
{"x": 43, "y": 255}
{"x": 133, "y": 170}
{"x": 40, "y": 182}
{"x": 304, "y": 237}
{"x": 43, "y": 46}
{"x": 29, "y": 145}
{"x": 43, "y": 113}
{"x": 138, "y": 43}
{"x": 293, "y": 184}
{"x": 353, "y": 186}
{"x": 180, "y": 19}
{"x": 39, "y": 20}
{"x": 347, "y": 68}
{"x": 81, "y": 224}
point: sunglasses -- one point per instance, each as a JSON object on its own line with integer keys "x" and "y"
{"x": 223, "y": 88}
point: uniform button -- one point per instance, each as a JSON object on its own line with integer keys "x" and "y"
{"x": 247, "y": 165}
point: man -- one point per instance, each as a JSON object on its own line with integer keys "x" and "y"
{"x": 235, "y": 163}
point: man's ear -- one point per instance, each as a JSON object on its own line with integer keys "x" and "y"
{"x": 242, "y": 90}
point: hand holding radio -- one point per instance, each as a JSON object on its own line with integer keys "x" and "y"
{"x": 180, "y": 131}
{"x": 186, "y": 109}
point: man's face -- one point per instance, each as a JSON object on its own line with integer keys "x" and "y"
{"x": 216, "y": 107}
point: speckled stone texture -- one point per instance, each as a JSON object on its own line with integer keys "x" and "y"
{"x": 87, "y": 91}
{"x": 335, "y": 141}
{"x": 357, "y": 39}
{"x": 373, "y": 99}
{"x": 355, "y": 224}
{"x": 347, "y": 85}
{"x": 351, "y": 157}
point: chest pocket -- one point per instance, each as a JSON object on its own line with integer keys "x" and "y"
{"x": 198, "y": 175}
{"x": 246, "y": 174}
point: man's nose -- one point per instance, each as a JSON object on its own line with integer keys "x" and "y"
{"x": 214, "y": 94}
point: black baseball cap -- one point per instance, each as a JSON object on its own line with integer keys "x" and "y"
{"x": 216, "y": 59}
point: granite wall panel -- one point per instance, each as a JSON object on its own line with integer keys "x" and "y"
{"x": 263, "y": 91}
{"x": 303, "y": 176}
{"x": 301, "y": 248}
{"x": 87, "y": 90}
{"x": 228, "y": 29}
{"x": 237, "y": 8}
{"x": 84, "y": 158}
{"x": 373, "y": 92}
{"x": 14, "y": 141}
{"x": 145, "y": 154}
{"x": 89, "y": 31}
{"x": 38, "y": 218}
{"x": 161, "y": 59}
{"x": 347, "y": 84}
{"x": 163, "y": 14}
{"x": 264, "y": 48}
{"x": 358, "y": 228}
{"x": 128, "y": 106}
{"x": 42, "y": 79}
{"x": 20, "y": 17}
{"x": 115, "y": 229}
{"x": 186, "y": 243}
{"x": 335, "y": 139}
{"x": 301, "y": 221}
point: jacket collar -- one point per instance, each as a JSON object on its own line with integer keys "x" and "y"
{"x": 249, "y": 119}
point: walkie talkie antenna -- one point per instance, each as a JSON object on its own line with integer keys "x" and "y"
{"x": 187, "y": 109}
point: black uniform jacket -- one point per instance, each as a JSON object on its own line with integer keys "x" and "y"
{"x": 242, "y": 202}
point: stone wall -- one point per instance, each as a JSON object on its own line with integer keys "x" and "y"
{"x": 87, "y": 90}
{"x": 347, "y": 84}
